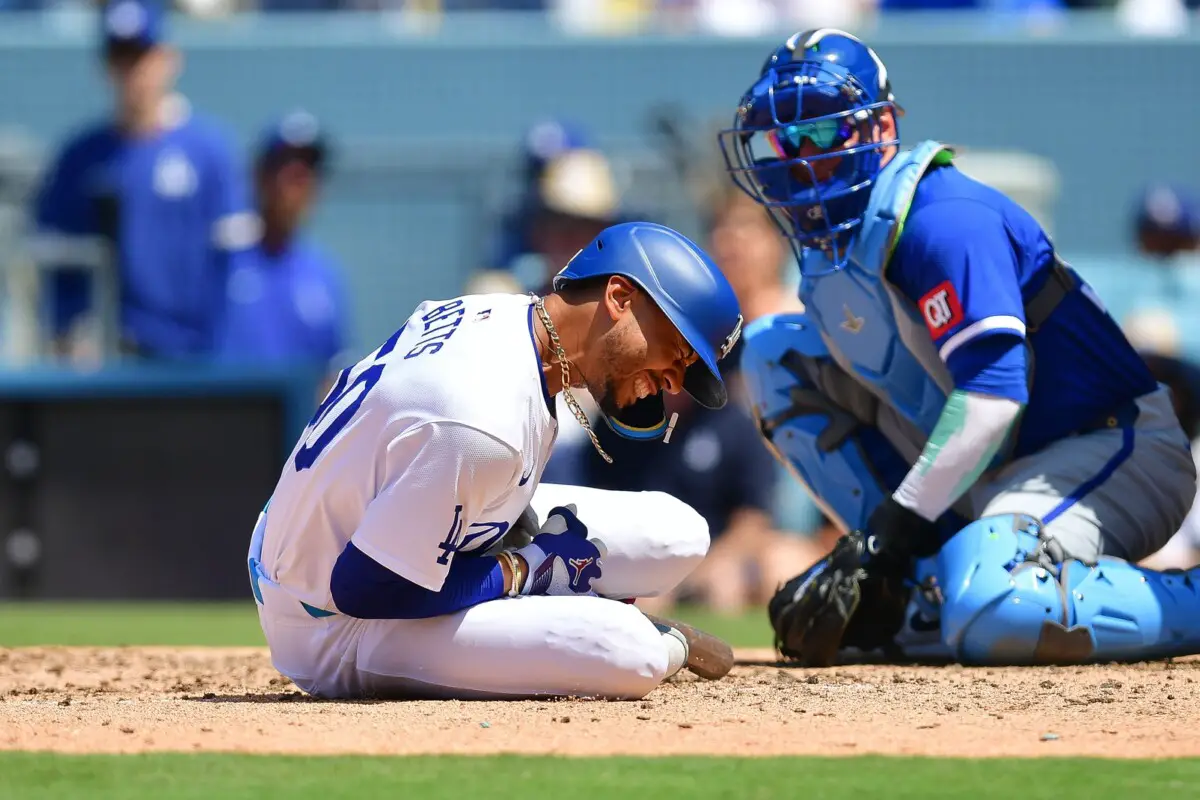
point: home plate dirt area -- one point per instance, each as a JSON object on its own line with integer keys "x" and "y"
{"x": 126, "y": 700}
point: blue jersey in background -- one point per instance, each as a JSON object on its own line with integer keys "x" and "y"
{"x": 287, "y": 307}
{"x": 174, "y": 210}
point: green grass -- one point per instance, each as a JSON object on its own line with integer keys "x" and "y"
{"x": 751, "y": 629}
{"x": 44, "y": 776}
{"x": 115, "y": 624}
{"x": 231, "y": 624}
{"x": 36, "y": 776}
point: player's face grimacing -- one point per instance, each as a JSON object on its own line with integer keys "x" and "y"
{"x": 640, "y": 355}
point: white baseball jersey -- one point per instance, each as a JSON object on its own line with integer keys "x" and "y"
{"x": 431, "y": 445}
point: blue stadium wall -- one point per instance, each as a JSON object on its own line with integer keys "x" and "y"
{"x": 427, "y": 124}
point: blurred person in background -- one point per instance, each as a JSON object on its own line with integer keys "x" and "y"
{"x": 751, "y": 254}
{"x": 576, "y": 198}
{"x": 1167, "y": 223}
{"x": 511, "y": 247}
{"x": 758, "y": 265}
{"x": 154, "y": 196}
{"x": 571, "y": 195}
{"x": 286, "y": 299}
{"x": 1162, "y": 318}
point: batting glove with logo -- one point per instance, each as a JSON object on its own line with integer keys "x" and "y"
{"x": 562, "y": 559}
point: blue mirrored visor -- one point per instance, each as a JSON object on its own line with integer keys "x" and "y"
{"x": 776, "y": 128}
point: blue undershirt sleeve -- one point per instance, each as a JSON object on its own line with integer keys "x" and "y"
{"x": 364, "y": 588}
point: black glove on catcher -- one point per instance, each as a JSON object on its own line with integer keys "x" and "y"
{"x": 855, "y": 596}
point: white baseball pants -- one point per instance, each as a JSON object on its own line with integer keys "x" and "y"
{"x": 511, "y": 648}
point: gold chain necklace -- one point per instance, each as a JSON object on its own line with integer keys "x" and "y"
{"x": 539, "y": 305}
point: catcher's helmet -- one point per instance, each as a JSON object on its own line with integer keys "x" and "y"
{"x": 788, "y": 145}
{"x": 689, "y": 288}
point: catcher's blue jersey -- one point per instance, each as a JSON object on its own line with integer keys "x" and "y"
{"x": 972, "y": 259}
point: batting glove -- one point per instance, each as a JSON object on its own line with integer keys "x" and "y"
{"x": 562, "y": 559}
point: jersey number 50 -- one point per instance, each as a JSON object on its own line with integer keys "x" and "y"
{"x": 340, "y": 406}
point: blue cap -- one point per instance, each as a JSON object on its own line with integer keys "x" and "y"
{"x": 137, "y": 23}
{"x": 689, "y": 288}
{"x": 297, "y": 133}
{"x": 1169, "y": 208}
{"x": 547, "y": 139}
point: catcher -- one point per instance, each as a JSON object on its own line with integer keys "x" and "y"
{"x": 954, "y": 395}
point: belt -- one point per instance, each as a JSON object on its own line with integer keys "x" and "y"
{"x": 1059, "y": 283}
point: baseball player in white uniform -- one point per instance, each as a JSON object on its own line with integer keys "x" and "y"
{"x": 400, "y": 554}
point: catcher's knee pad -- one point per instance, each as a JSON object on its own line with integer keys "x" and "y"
{"x": 847, "y": 466}
{"x": 1009, "y": 598}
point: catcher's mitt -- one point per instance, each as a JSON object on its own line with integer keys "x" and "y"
{"x": 835, "y": 604}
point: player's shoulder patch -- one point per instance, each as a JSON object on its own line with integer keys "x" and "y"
{"x": 941, "y": 308}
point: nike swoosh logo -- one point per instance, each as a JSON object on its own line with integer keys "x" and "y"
{"x": 525, "y": 478}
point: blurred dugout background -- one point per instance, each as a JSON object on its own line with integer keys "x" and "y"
{"x": 476, "y": 144}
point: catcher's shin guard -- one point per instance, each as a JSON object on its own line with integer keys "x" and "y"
{"x": 1009, "y": 598}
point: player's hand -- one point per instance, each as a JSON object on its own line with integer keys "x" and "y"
{"x": 562, "y": 559}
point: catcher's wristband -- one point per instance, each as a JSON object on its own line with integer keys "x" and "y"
{"x": 903, "y": 532}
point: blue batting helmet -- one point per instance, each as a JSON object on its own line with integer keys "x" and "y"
{"x": 806, "y": 141}
{"x": 688, "y": 287}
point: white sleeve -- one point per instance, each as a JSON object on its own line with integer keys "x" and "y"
{"x": 440, "y": 476}
{"x": 971, "y": 430}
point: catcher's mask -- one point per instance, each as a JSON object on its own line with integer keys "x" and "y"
{"x": 806, "y": 142}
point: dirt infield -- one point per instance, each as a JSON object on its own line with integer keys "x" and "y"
{"x": 142, "y": 699}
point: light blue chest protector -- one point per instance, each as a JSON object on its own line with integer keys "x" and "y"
{"x": 869, "y": 328}
{"x": 821, "y": 421}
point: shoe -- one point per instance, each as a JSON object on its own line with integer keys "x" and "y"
{"x": 707, "y": 656}
{"x": 677, "y": 649}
